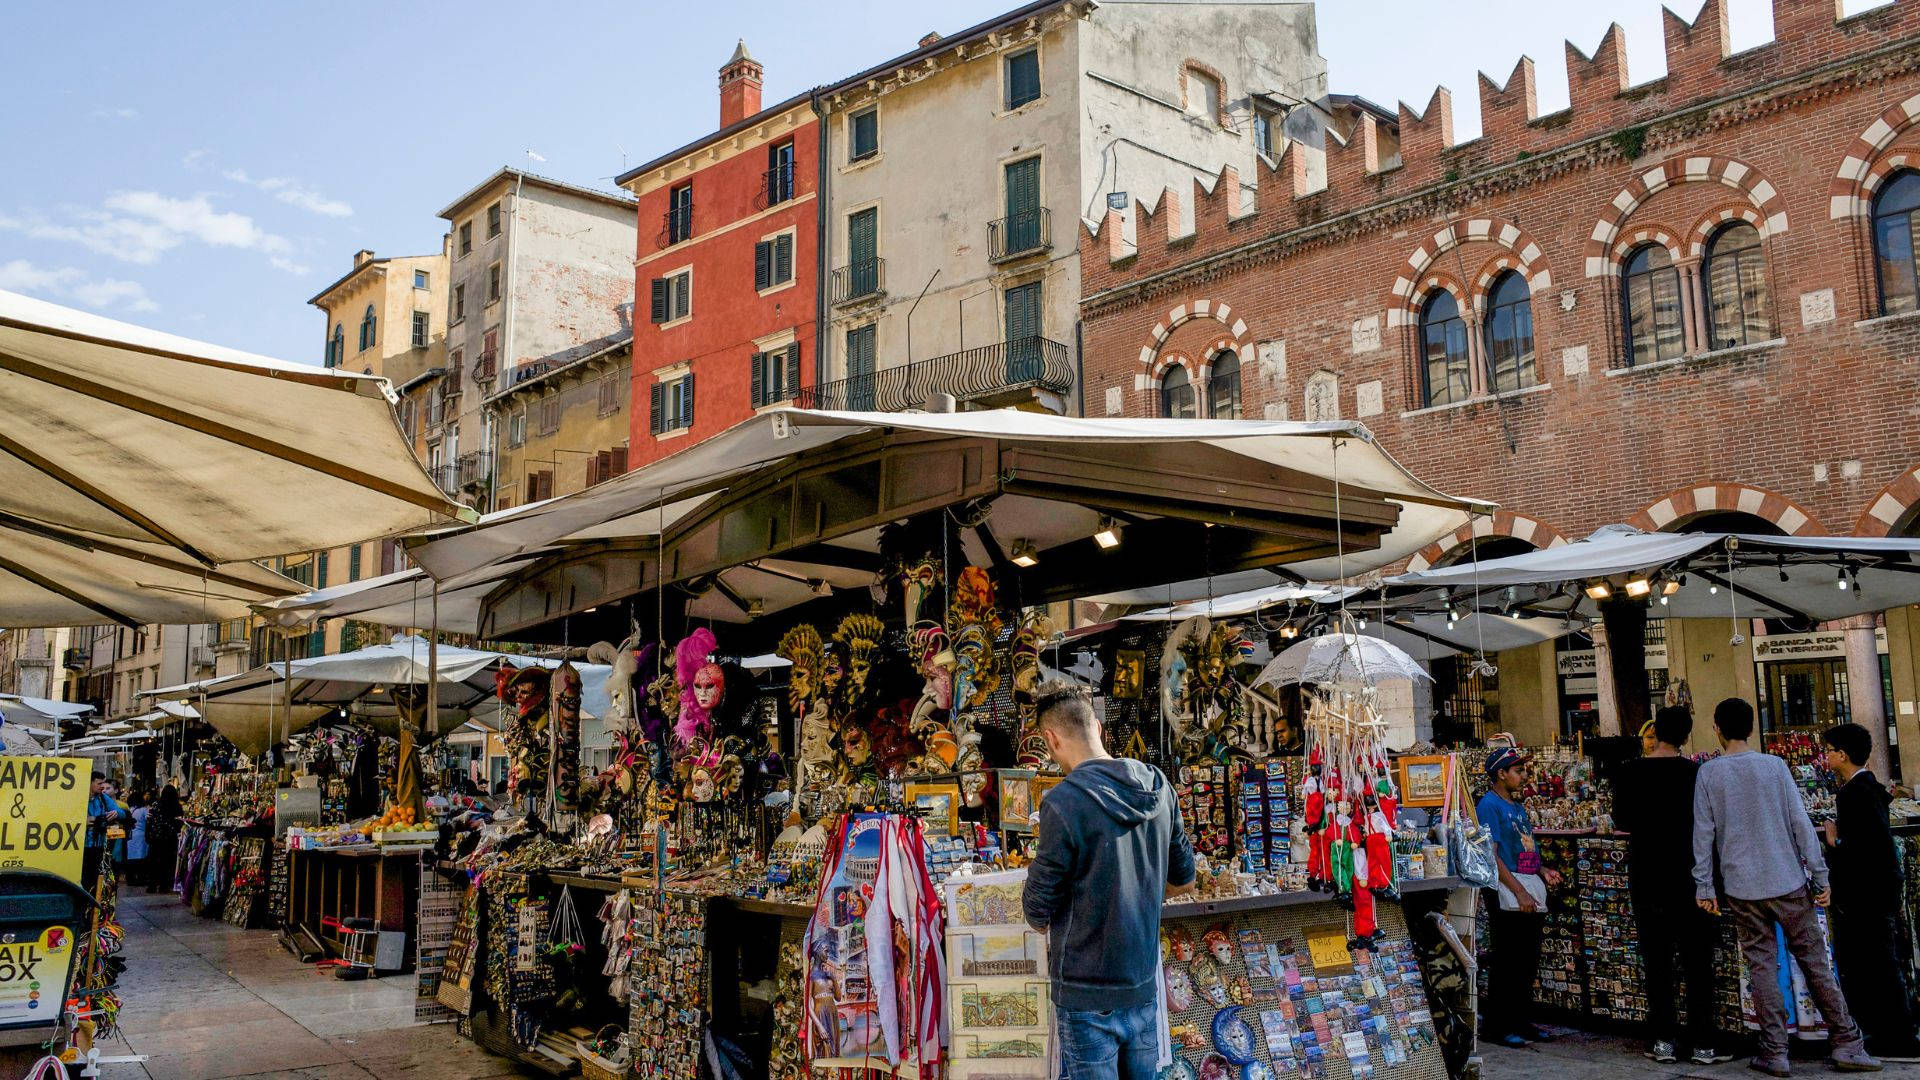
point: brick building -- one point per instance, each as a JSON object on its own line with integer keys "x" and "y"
{"x": 724, "y": 276}
{"x": 1687, "y": 303}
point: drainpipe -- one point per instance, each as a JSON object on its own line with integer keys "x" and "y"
{"x": 1080, "y": 364}
{"x": 822, "y": 238}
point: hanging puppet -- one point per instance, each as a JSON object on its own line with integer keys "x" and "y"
{"x": 529, "y": 755}
{"x": 565, "y": 691}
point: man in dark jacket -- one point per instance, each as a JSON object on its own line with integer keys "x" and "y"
{"x": 1111, "y": 850}
{"x": 1865, "y": 874}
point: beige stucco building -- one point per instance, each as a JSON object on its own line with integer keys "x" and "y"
{"x": 965, "y": 169}
{"x": 563, "y": 421}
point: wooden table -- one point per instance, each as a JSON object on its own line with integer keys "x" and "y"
{"x": 354, "y": 883}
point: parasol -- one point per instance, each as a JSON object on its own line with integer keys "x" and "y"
{"x": 1341, "y": 660}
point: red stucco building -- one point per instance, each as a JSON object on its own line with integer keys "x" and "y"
{"x": 725, "y": 282}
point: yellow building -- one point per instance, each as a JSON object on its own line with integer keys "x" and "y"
{"x": 562, "y": 421}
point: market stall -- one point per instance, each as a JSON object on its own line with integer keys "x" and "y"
{"x": 907, "y": 569}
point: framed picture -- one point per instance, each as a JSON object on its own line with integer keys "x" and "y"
{"x": 1041, "y": 786}
{"x": 1016, "y": 800}
{"x": 1423, "y": 780}
{"x": 1129, "y": 673}
{"x": 939, "y": 803}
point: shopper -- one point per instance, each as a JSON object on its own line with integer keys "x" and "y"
{"x": 1654, "y": 804}
{"x": 136, "y": 869}
{"x": 163, "y": 839}
{"x": 1111, "y": 849}
{"x": 1750, "y": 826}
{"x": 1866, "y": 897}
{"x": 1517, "y": 915}
{"x": 102, "y": 813}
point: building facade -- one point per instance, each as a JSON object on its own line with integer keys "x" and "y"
{"x": 956, "y": 176}
{"x": 1683, "y": 304}
{"x": 725, "y": 274}
{"x": 535, "y": 266}
{"x": 564, "y": 420}
{"x": 30, "y": 661}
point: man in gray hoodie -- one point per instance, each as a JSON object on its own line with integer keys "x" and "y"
{"x": 1750, "y": 825}
{"x": 1111, "y": 850}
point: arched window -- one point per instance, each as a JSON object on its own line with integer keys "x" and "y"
{"x": 1443, "y": 350}
{"x": 1737, "y": 287}
{"x": 1223, "y": 387}
{"x": 1650, "y": 290}
{"x": 1176, "y": 394}
{"x": 1893, "y": 244}
{"x": 1510, "y": 363}
{"x": 337, "y": 348}
{"x": 367, "y": 326}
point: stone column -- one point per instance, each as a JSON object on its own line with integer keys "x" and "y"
{"x": 1865, "y": 703}
{"x": 1690, "y": 294}
{"x": 1608, "y": 705}
{"x": 1477, "y": 381}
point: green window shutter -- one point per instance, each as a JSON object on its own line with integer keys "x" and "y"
{"x": 686, "y": 400}
{"x": 683, "y": 296}
{"x": 782, "y": 259}
{"x": 659, "y": 300}
{"x": 762, "y": 264}
{"x": 1023, "y": 78}
{"x": 861, "y": 236}
{"x": 791, "y": 388}
{"x": 759, "y": 366}
{"x": 1023, "y": 187}
{"x": 659, "y": 399}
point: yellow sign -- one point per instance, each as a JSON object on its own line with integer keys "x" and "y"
{"x": 33, "y": 977}
{"x": 1328, "y": 947}
{"x": 43, "y": 814}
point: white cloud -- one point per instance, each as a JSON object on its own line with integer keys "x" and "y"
{"x": 291, "y": 192}
{"x": 73, "y": 284}
{"x": 140, "y": 226}
{"x": 115, "y": 114}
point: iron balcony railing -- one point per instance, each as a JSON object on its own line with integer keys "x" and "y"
{"x": 991, "y": 369}
{"x": 485, "y": 368}
{"x": 776, "y": 186}
{"x": 1018, "y": 234}
{"x": 446, "y": 476}
{"x": 857, "y": 281}
{"x": 676, "y": 225}
{"x": 474, "y": 467}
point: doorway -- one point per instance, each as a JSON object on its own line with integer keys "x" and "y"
{"x": 1803, "y": 695}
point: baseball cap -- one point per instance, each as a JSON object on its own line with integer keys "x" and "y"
{"x": 1504, "y": 758}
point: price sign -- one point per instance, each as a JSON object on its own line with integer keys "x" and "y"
{"x": 1327, "y": 944}
{"x": 43, "y": 814}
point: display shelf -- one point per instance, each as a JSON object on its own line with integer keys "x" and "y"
{"x": 1193, "y": 908}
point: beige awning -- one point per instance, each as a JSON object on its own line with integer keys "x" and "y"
{"x": 124, "y": 445}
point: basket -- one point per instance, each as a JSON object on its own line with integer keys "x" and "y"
{"x": 595, "y": 1067}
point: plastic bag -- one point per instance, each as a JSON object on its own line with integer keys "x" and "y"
{"x": 1469, "y": 843}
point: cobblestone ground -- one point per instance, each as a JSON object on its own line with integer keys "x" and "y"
{"x": 1575, "y": 1055}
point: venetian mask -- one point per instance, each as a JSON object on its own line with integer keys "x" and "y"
{"x": 833, "y": 671}
{"x": 1232, "y": 1037}
{"x": 1215, "y": 1067}
{"x": 709, "y": 686}
{"x": 1179, "y": 990}
{"x": 1207, "y": 974}
{"x": 973, "y": 788}
{"x": 1180, "y": 944}
{"x": 700, "y": 786}
{"x": 855, "y": 745}
{"x": 1219, "y": 946}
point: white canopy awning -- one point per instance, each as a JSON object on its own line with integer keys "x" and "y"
{"x": 642, "y": 502}
{"x": 133, "y": 461}
{"x": 402, "y": 600}
{"x": 42, "y": 708}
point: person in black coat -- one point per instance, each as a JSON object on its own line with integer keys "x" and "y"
{"x": 163, "y": 839}
{"x": 1865, "y": 869}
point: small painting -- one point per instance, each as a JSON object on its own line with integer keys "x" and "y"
{"x": 1016, "y": 800}
{"x": 939, "y": 806}
{"x": 1423, "y": 780}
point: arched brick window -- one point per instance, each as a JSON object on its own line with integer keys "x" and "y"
{"x": 1223, "y": 386}
{"x": 1445, "y": 363}
{"x": 1176, "y": 394}
{"x": 1650, "y": 298}
{"x": 1509, "y": 330}
{"x": 1736, "y": 282}
{"x": 1896, "y": 212}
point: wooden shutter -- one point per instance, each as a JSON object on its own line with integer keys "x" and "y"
{"x": 759, "y": 366}
{"x": 782, "y": 259}
{"x": 682, "y": 295}
{"x": 791, "y": 388}
{"x": 1023, "y": 187}
{"x": 860, "y": 236}
{"x": 533, "y": 487}
{"x": 763, "y": 264}
{"x": 659, "y": 395}
{"x": 686, "y": 400}
{"x": 659, "y": 300}
{"x": 619, "y": 461}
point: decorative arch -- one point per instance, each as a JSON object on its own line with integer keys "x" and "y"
{"x": 1641, "y": 237}
{"x": 1502, "y": 523}
{"x": 1195, "y": 371}
{"x": 1850, "y": 192}
{"x": 1712, "y": 220}
{"x": 1152, "y": 367}
{"x": 1792, "y": 518}
{"x": 1439, "y": 281}
{"x": 1601, "y": 246}
{"x": 1402, "y": 308}
{"x": 1894, "y": 504}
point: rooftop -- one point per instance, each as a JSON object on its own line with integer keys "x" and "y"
{"x": 508, "y": 174}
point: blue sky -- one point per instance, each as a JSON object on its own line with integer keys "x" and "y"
{"x": 204, "y": 168}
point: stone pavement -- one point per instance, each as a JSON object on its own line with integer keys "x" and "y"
{"x": 1576, "y": 1055}
{"x": 204, "y": 1001}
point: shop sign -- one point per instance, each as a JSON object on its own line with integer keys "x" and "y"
{"x": 43, "y": 814}
{"x": 1578, "y": 662}
{"x": 1818, "y": 645}
{"x": 33, "y": 977}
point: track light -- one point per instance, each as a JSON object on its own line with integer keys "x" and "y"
{"x": 1672, "y": 586}
{"x": 1639, "y": 587}
{"x": 820, "y": 588}
{"x": 1109, "y": 535}
{"x": 1599, "y": 591}
{"x": 1024, "y": 556}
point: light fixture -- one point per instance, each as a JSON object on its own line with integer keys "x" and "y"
{"x": 1713, "y": 590}
{"x": 1639, "y": 587}
{"x": 1599, "y": 591}
{"x": 1671, "y": 586}
{"x": 755, "y": 609}
{"x": 819, "y": 587}
{"x": 1289, "y": 632}
{"x": 1024, "y": 556}
{"x": 1361, "y": 623}
{"x": 1109, "y": 535}
{"x": 1840, "y": 580}
{"x": 1664, "y": 599}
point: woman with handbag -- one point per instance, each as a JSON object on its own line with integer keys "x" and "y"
{"x": 1518, "y": 918}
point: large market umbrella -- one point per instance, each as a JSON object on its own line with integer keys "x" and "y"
{"x": 140, "y": 471}
{"x": 1342, "y": 660}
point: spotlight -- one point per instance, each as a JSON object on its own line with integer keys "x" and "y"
{"x": 1599, "y": 591}
{"x": 1664, "y": 600}
{"x": 1639, "y": 587}
{"x": 1109, "y": 535}
{"x": 1288, "y": 631}
{"x": 820, "y": 587}
{"x": 1024, "y": 556}
{"x": 1672, "y": 585}
{"x": 755, "y": 609}
{"x": 1360, "y": 623}
{"x": 1713, "y": 590}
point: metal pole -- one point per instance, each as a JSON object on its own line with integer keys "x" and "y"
{"x": 433, "y": 664}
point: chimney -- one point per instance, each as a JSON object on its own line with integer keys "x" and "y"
{"x": 932, "y": 36}
{"x": 739, "y": 86}
{"x": 362, "y": 258}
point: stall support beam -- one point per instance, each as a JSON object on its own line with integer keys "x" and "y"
{"x": 1625, "y": 622}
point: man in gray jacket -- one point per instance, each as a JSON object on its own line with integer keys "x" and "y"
{"x": 1111, "y": 850}
{"x": 1750, "y": 825}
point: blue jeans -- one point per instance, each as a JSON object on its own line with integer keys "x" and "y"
{"x": 1120, "y": 1044}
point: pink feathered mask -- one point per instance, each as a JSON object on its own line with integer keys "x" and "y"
{"x": 690, "y": 657}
